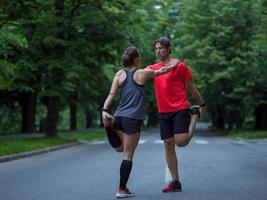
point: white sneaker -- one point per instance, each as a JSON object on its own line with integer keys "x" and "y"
{"x": 124, "y": 193}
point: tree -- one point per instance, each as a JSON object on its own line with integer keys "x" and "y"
{"x": 216, "y": 38}
{"x": 259, "y": 86}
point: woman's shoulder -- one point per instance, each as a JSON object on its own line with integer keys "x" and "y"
{"x": 120, "y": 76}
{"x": 120, "y": 72}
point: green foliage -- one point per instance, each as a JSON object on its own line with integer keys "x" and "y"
{"x": 218, "y": 39}
{"x": 7, "y": 72}
{"x": 11, "y": 44}
{"x": 75, "y": 54}
{"x": 9, "y": 119}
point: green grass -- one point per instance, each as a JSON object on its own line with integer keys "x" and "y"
{"x": 247, "y": 134}
{"x": 14, "y": 146}
{"x": 242, "y": 134}
{"x": 85, "y": 135}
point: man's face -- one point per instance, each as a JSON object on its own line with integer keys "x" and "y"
{"x": 161, "y": 51}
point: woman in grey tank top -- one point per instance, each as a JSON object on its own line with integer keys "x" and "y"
{"x": 129, "y": 114}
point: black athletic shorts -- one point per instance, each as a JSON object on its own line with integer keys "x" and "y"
{"x": 174, "y": 123}
{"x": 127, "y": 125}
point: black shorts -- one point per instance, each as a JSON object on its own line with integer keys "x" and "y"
{"x": 127, "y": 125}
{"x": 174, "y": 123}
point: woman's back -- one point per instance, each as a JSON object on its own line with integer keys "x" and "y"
{"x": 132, "y": 97}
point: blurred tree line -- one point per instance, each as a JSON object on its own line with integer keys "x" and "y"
{"x": 59, "y": 57}
{"x": 226, "y": 43}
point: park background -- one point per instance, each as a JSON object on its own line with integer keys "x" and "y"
{"x": 58, "y": 59}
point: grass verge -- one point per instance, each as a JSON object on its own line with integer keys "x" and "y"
{"x": 239, "y": 134}
{"x": 15, "y": 146}
{"x": 247, "y": 134}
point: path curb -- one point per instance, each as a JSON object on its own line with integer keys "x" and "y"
{"x": 36, "y": 152}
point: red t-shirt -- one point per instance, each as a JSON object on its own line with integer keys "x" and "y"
{"x": 170, "y": 88}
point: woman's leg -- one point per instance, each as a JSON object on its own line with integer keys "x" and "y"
{"x": 130, "y": 142}
{"x": 120, "y": 148}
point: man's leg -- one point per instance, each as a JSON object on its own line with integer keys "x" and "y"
{"x": 183, "y": 138}
{"x": 170, "y": 156}
{"x": 174, "y": 185}
{"x": 192, "y": 127}
{"x": 166, "y": 133}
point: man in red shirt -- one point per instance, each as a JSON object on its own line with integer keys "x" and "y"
{"x": 177, "y": 120}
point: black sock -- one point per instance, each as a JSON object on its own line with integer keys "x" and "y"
{"x": 125, "y": 170}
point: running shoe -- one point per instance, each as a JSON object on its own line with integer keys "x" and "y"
{"x": 124, "y": 193}
{"x": 172, "y": 186}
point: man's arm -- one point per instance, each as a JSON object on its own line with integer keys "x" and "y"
{"x": 195, "y": 93}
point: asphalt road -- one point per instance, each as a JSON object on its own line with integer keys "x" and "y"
{"x": 210, "y": 168}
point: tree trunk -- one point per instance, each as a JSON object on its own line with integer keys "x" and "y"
{"x": 52, "y": 116}
{"x": 219, "y": 120}
{"x": 213, "y": 119}
{"x": 57, "y": 76}
{"x": 42, "y": 125}
{"x": 59, "y": 8}
{"x": 27, "y": 101}
{"x": 73, "y": 116}
{"x": 234, "y": 120}
{"x": 88, "y": 119}
{"x": 261, "y": 117}
{"x": 264, "y": 119}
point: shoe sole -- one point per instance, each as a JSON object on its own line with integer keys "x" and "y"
{"x": 127, "y": 196}
{"x": 176, "y": 190}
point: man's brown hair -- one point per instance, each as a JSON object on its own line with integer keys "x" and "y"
{"x": 164, "y": 41}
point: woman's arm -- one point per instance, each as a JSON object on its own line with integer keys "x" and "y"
{"x": 154, "y": 73}
{"x": 109, "y": 99}
{"x": 144, "y": 74}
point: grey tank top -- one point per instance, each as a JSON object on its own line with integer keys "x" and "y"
{"x": 132, "y": 98}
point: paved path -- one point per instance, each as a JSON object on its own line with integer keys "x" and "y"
{"x": 210, "y": 168}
